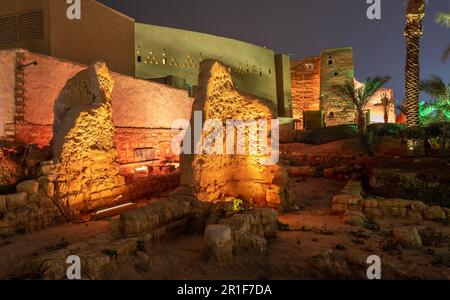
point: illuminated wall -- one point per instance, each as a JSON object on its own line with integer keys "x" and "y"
{"x": 336, "y": 68}
{"x": 313, "y": 80}
{"x": 144, "y": 51}
{"x": 305, "y": 77}
{"x": 162, "y": 51}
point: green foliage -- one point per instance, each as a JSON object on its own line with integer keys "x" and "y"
{"x": 438, "y": 110}
{"x": 414, "y": 133}
{"x": 238, "y": 205}
{"x": 360, "y": 96}
{"x": 369, "y": 140}
{"x": 389, "y": 129}
{"x": 443, "y": 18}
{"x": 326, "y": 135}
{"x": 437, "y": 134}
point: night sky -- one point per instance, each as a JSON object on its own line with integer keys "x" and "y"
{"x": 304, "y": 27}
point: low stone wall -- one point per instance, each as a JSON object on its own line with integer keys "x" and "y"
{"x": 426, "y": 179}
{"x": 351, "y": 199}
{"x": 165, "y": 216}
{"x": 245, "y": 231}
{"x": 27, "y": 210}
{"x": 320, "y": 165}
{"x": 35, "y": 206}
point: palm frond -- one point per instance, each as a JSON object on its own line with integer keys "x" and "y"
{"x": 436, "y": 88}
{"x": 446, "y": 54}
{"x": 443, "y": 18}
{"x": 371, "y": 86}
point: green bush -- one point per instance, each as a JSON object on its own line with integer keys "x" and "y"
{"x": 413, "y": 133}
{"x": 330, "y": 134}
{"x": 437, "y": 134}
{"x": 382, "y": 129}
{"x": 369, "y": 140}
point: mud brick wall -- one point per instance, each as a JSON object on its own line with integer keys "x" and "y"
{"x": 305, "y": 83}
{"x": 336, "y": 68}
{"x": 127, "y": 140}
{"x": 41, "y": 135}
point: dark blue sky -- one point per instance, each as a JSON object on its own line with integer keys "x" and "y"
{"x": 304, "y": 27}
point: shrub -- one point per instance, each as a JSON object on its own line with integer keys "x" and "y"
{"x": 382, "y": 129}
{"x": 369, "y": 140}
{"x": 331, "y": 134}
{"x": 437, "y": 134}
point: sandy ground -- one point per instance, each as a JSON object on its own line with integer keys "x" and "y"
{"x": 315, "y": 245}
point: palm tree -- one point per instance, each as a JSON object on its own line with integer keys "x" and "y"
{"x": 444, "y": 19}
{"x": 360, "y": 96}
{"x": 386, "y": 102}
{"x": 438, "y": 109}
{"x": 413, "y": 34}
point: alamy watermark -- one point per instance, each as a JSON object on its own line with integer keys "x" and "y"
{"x": 74, "y": 10}
{"x": 374, "y": 270}
{"x": 235, "y": 137}
{"x": 74, "y": 270}
{"x": 374, "y": 10}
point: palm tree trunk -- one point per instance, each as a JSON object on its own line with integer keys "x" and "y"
{"x": 412, "y": 81}
{"x": 386, "y": 115}
{"x": 413, "y": 33}
{"x": 361, "y": 120}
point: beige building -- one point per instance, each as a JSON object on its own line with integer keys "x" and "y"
{"x": 315, "y": 102}
{"x": 42, "y": 26}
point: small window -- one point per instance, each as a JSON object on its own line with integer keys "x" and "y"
{"x": 336, "y": 73}
{"x": 330, "y": 62}
{"x": 331, "y": 115}
{"x": 139, "y": 59}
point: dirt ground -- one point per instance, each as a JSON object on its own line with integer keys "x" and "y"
{"x": 317, "y": 245}
{"x": 313, "y": 244}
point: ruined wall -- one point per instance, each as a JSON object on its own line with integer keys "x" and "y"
{"x": 336, "y": 68}
{"x": 83, "y": 132}
{"x": 143, "y": 111}
{"x": 216, "y": 176}
{"x": 305, "y": 82}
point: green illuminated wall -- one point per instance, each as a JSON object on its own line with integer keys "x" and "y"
{"x": 167, "y": 51}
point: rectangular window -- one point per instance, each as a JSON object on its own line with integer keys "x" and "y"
{"x": 30, "y": 26}
{"x": 22, "y": 27}
{"x": 145, "y": 154}
{"x": 8, "y": 30}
